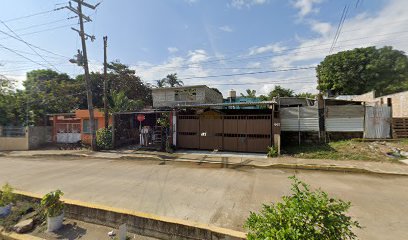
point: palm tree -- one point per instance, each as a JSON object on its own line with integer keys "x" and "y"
{"x": 249, "y": 93}
{"x": 172, "y": 80}
{"x": 161, "y": 83}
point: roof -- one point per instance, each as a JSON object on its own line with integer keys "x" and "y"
{"x": 61, "y": 114}
{"x": 180, "y": 87}
{"x": 143, "y": 112}
{"x": 226, "y": 104}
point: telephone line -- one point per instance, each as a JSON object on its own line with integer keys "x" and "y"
{"x": 29, "y": 45}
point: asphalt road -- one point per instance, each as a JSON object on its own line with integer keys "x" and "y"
{"x": 200, "y": 193}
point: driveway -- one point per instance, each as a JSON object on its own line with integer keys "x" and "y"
{"x": 201, "y": 193}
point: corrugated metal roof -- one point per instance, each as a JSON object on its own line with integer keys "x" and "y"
{"x": 225, "y": 104}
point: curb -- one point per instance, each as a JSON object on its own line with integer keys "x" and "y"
{"x": 295, "y": 166}
{"x": 16, "y": 236}
{"x": 229, "y": 233}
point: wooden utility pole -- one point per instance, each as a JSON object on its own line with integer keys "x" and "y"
{"x": 84, "y": 62}
{"x": 105, "y": 82}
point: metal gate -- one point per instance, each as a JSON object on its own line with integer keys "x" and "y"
{"x": 241, "y": 133}
{"x": 377, "y": 122}
{"x": 68, "y": 132}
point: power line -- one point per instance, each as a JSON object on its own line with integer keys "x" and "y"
{"x": 42, "y": 49}
{"x": 45, "y": 24}
{"x": 12, "y": 50}
{"x": 29, "y": 45}
{"x": 340, "y": 29}
{"x": 246, "y": 73}
{"x": 34, "y": 14}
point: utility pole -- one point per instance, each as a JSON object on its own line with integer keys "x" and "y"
{"x": 84, "y": 61}
{"x": 105, "y": 82}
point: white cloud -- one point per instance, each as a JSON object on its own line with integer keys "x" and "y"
{"x": 197, "y": 56}
{"x": 172, "y": 49}
{"x": 191, "y": 1}
{"x": 273, "y": 47}
{"x": 323, "y": 28}
{"x": 239, "y": 4}
{"x": 306, "y": 7}
{"x": 360, "y": 31}
{"x": 226, "y": 28}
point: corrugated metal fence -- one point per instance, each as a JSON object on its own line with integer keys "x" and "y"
{"x": 299, "y": 119}
{"x": 378, "y": 122}
{"x": 344, "y": 118}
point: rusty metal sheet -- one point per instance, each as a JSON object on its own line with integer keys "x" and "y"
{"x": 378, "y": 122}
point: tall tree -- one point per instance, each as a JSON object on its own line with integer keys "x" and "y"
{"x": 249, "y": 93}
{"x": 47, "y": 91}
{"x": 172, "y": 80}
{"x": 361, "y": 70}
{"x": 6, "y": 84}
{"x": 278, "y": 91}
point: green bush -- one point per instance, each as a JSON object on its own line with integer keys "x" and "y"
{"x": 52, "y": 204}
{"x": 104, "y": 138}
{"x": 305, "y": 214}
{"x": 272, "y": 152}
{"x": 6, "y": 195}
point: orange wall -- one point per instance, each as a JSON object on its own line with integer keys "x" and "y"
{"x": 84, "y": 115}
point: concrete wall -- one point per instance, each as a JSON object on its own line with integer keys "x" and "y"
{"x": 35, "y": 137}
{"x": 399, "y": 102}
{"x": 39, "y": 136}
{"x": 165, "y": 97}
{"x": 13, "y": 143}
{"x": 141, "y": 223}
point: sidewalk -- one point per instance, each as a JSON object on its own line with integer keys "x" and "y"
{"x": 231, "y": 160}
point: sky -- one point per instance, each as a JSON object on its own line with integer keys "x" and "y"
{"x": 227, "y": 44}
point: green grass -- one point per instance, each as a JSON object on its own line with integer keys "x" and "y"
{"x": 344, "y": 150}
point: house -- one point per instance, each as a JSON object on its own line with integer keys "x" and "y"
{"x": 83, "y": 115}
{"x": 399, "y": 102}
{"x": 185, "y": 95}
{"x": 232, "y": 98}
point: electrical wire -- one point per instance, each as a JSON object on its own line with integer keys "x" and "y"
{"x": 15, "y": 52}
{"x": 29, "y": 45}
{"x": 34, "y": 14}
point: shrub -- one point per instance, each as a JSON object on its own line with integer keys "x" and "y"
{"x": 104, "y": 138}
{"x": 6, "y": 195}
{"x": 52, "y": 204}
{"x": 305, "y": 214}
{"x": 272, "y": 152}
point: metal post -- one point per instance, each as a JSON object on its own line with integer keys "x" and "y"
{"x": 105, "y": 82}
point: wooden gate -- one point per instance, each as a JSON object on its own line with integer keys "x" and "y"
{"x": 241, "y": 133}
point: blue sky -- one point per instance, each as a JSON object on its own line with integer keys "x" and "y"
{"x": 201, "y": 38}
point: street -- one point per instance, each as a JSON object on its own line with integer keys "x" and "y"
{"x": 208, "y": 194}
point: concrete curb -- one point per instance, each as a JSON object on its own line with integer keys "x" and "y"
{"x": 16, "y": 236}
{"x": 296, "y": 166}
{"x": 164, "y": 223}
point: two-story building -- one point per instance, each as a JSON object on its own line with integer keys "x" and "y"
{"x": 185, "y": 95}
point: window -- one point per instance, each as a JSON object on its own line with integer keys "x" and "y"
{"x": 86, "y": 127}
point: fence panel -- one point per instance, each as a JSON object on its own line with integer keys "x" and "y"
{"x": 303, "y": 119}
{"x": 378, "y": 122}
{"x": 344, "y": 118}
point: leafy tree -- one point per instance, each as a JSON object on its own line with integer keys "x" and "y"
{"x": 5, "y": 84}
{"x": 361, "y": 70}
{"x": 305, "y": 95}
{"x": 172, "y": 80}
{"x": 249, "y": 93}
{"x": 47, "y": 91}
{"x": 278, "y": 91}
{"x": 119, "y": 102}
{"x": 306, "y": 214}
